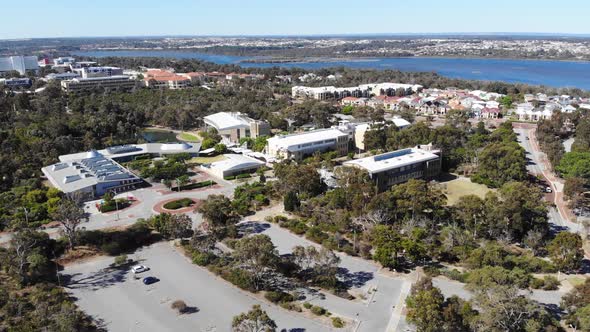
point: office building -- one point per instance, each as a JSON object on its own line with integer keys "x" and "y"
{"x": 234, "y": 164}
{"x": 299, "y": 146}
{"x": 19, "y": 63}
{"x": 17, "y": 82}
{"x": 120, "y": 82}
{"x": 233, "y": 126}
{"x": 61, "y": 76}
{"x": 391, "y": 168}
{"x": 90, "y": 72}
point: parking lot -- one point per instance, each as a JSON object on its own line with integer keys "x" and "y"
{"x": 125, "y": 304}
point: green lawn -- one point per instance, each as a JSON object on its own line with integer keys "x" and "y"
{"x": 206, "y": 160}
{"x": 461, "y": 187}
{"x": 188, "y": 137}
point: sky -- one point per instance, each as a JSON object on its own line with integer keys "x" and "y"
{"x": 89, "y": 18}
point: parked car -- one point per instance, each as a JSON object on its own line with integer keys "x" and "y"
{"x": 548, "y": 190}
{"x": 150, "y": 280}
{"x": 139, "y": 269}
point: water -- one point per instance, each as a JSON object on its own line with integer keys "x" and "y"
{"x": 536, "y": 72}
{"x": 158, "y": 136}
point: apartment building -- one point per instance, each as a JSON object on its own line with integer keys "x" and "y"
{"x": 118, "y": 82}
{"x": 90, "y": 72}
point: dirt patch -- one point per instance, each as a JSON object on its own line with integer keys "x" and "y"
{"x": 79, "y": 254}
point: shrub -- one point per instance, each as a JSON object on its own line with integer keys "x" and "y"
{"x": 317, "y": 310}
{"x": 307, "y": 305}
{"x": 240, "y": 278}
{"x": 179, "y": 306}
{"x": 296, "y": 226}
{"x": 316, "y": 235}
{"x": 179, "y": 204}
{"x": 278, "y": 297}
{"x": 550, "y": 283}
{"x": 537, "y": 283}
{"x": 432, "y": 271}
{"x": 454, "y": 274}
{"x": 202, "y": 258}
{"x": 337, "y": 322}
{"x": 291, "y": 306}
{"x": 231, "y": 177}
{"x": 243, "y": 176}
{"x": 121, "y": 259}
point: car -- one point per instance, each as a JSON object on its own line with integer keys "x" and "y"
{"x": 150, "y": 280}
{"x": 139, "y": 269}
{"x": 548, "y": 190}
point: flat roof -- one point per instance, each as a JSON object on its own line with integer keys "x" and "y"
{"x": 390, "y": 160}
{"x": 138, "y": 149}
{"x": 86, "y": 172}
{"x": 305, "y": 137}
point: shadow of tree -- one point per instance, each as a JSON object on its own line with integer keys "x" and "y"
{"x": 101, "y": 279}
{"x": 354, "y": 279}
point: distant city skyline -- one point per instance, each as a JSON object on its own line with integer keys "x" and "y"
{"x": 62, "y": 18}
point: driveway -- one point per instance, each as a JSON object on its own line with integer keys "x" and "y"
{"x": 125, "y": 304}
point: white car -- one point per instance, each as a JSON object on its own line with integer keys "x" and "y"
{"x": 139, "y": 268}
{"x": 548, "y": 190}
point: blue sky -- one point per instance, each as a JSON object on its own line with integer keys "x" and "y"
{"x": 67, "y": 18}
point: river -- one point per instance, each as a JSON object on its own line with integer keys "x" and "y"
{"x": 551, "y": 73}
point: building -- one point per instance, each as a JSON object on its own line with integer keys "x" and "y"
{"x": 157, "y": 78}
{"x": 299, "y": 146}
{"x": 19, "y": 63}
{"x": 61, "y": 76}
{"x": 90, "y": 176}
{"x": 234, "y": 164}
{"x": 95, "y": 173}
{"x": 391, "y": 168}
{"x": 361, "y": 129}
{"x": 128, "y": 152}
{"x": 119, "y": 82}
{"x": 233, "y": 126}
{"x": 361, "y": 91}
{"x": 91, "y": 72}
{"x": 24, "y": 82}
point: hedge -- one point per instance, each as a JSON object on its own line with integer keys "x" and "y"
{"x": 179, "y": 204}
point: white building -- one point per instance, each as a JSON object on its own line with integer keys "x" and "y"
{"x": 234, "y": 164}
{"x": 19, "y": 63}
{"x": 364, "y": 90}
{"x": 399, "y": 166}
{"x": 361, "y": 129}
{"x": 90, "y": 72}
{"x": 233, "y": 126}
{"x": 61, "y": 76}
{"x": 298, "y": 146}
{"x": 91, "y": 175}
{"x": 527, "y": 112}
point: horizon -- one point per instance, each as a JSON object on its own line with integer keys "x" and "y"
{"x": 111, "y": 18}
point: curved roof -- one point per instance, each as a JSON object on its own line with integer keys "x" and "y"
{"x": 93, "y": 154}
{"x": 176, "y": 146}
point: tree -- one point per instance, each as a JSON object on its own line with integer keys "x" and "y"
{"x": 387, "y": 243}
{"x": 566, "y": 251}
{"x": 181, "y": 181}
{"x": 301, "y": 179}
{"x": 469, "y": 210}
{"x": 502, "y": 308}
{"x": 576, "y": 303}
{"x": 291, "y": 202}
{"x": 258, "y": 254}
{"x": 172, "y": 226}
{"x": 70, "y": 216}
{"x": 218, "y": 214}
{"x": 28, "y": 255}
{"x": 500, "y": 163}
{"x": 255, "y": 320}
{"x": 575, "y": 164}
{"x": 425, "y": 306}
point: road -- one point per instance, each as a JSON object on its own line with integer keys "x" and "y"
{"x": 125, "y": 304}
{"x": 381, "y": 291}
{"x": 147, "y": 198}
{"x": 560, "y": 215}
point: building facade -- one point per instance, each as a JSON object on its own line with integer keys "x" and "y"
{"x": 121, "y": 82}
{"x": 299, "y": 146}
{"x": 234, "y": 126}
{"x": 391, "y": 168}
{"x": 19, "y": 63}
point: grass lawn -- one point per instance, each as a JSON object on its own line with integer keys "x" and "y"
{"x": 188, "y": 137}
{"x": 575, "y": 281}
{"x": 206, "y": 160}
{"x": 462, "y": 186}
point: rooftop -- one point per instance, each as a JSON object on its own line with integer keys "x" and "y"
{"x": 236, "y": 162}
{"x": 226, "y": 120}
{"x": 137, "y": 149}
{"x": 305, "y": 137}
{"x": 391, "y": 160}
